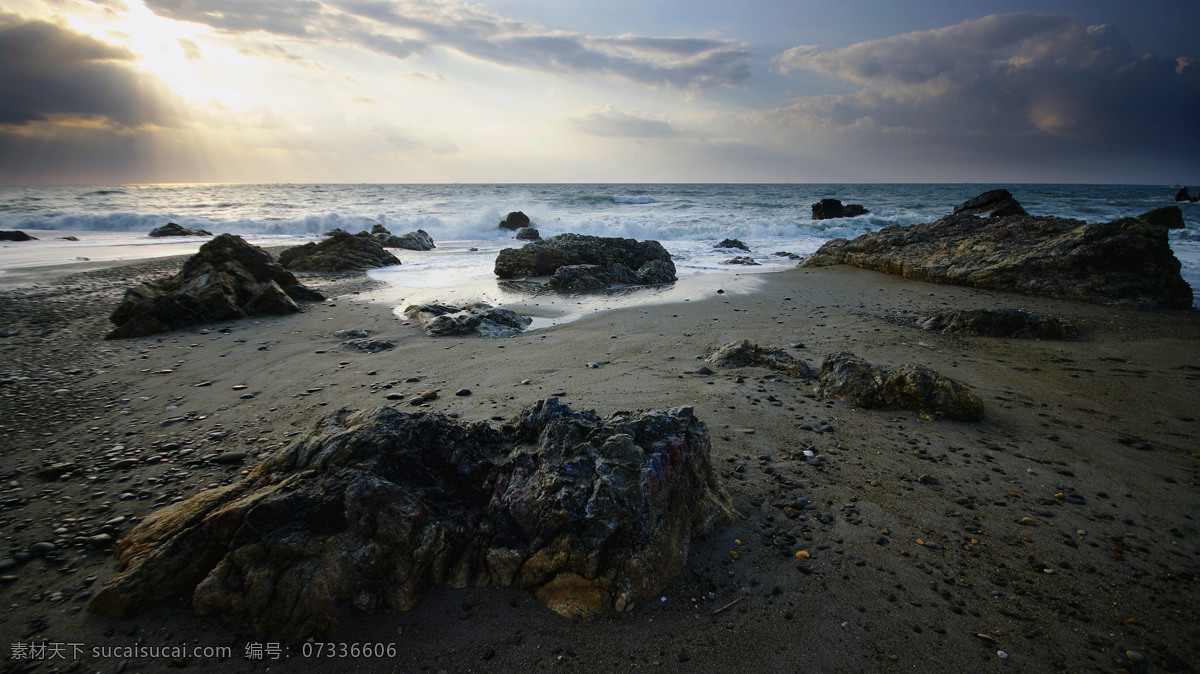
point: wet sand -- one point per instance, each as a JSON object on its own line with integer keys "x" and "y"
{"x": 1056, "y": 535}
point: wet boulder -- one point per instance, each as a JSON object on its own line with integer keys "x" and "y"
{"x": 339, "y": 251}
{"x": 748, "y": 354}
{"x": 227, "y": 279}
{"x": 418, "y": 240}
{"x": 372, "y": 508}
{"x": 907, "y": 387}
{"x": 515, "y": 220}
{"x": 1011, "y": 323}
{"x": 829, "y": 209}
{"x": 15, "y": 235}
{"x": 172, "y": 229}
{"x": 479, "y": 318}
{"x": 732, "y": 243}
{"x": 528, "y": 234}
{"x": 609, "y": 262}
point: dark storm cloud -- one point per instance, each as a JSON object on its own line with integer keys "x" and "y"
{"x": 1035, "y": 83}
{"x": 50, "y": 72}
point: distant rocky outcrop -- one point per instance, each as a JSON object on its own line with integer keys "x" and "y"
{"x": 1011, "y": 323}
{"x": 339, "y": 251}
{"x": 479, "y": 318}
{"x": 172, "y": 229}
{"x": 1124, "y": 262}
{"x": 748, "y": 354}
{"x": 370, "y": 509}
{"x": 1167, "y": 216}
{"x": 227, "y": 279}
{"x": 907, "y": 387}
{"x": 1182, "y": 195}
{"x": 15, "y": 235}
{"x": 991, "y": 204}
{"x": 515, "y": 220}
{"x": 733, "y": 243}
{"x": 744, "y": 260}
{"x": 577, "y": 262}
{"x": 418, "y": 240}
{"x": 528, "y": 234}
{"x": 828, "y": 209}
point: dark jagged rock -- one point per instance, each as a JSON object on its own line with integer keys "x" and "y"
{"x": 528, "y": 234}
{"x": 172, "y": 229}
{"x": 733, "y": 243}
{"x": 742, "y": 260}
{"x": 418, "y": 240}
{"x": 440, "y": 320}
{"x": 371, "y": 508}
{"x": 991, "y": 204}
{"x": 15, "y": 235}
{"x": 1167, "y": 216}
{"x": 1182, "y": 195}
{"x": 747, "y": 354}
{"x": 339, "y": 251}
{"x": 790, "y": 256}
{"x": 1013, "y": 323}
{"x": 828, "y": 209}
{"x": 907, "y": 387}
{"x": 1125, "y": 262}
{"x": 604, "y": 262}
{"x": 227, "y": 279}
{"x": 515, "y": 220}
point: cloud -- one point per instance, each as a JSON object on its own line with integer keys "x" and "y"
{"x": 611, "y": 123}
{"x": 54, "y": 74}
{"x": 406, "y": 28}
{"x": 1044, "y": 82}
{"x": 191, "y": 50}
{"x": 274, "y": 51}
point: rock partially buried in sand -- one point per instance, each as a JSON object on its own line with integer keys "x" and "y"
{"x": 907, "y": 387}
{"x": 593, "y": 262}
{"x": 1126, "y": 262}
{"x": 172, "y": 229}
{"x": 372, "y": 508}
{"x": 1013, "y": 323}
{"x": 339, "y": 251}
{"x": 747, "y": 354}
{"x": 227, "y": 279}
{"x": 15, "y": 235}
{"x": 440, "y": 320}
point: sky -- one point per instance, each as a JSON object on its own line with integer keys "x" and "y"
{"x": 403, "y": 91}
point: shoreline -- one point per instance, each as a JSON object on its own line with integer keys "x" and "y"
{"x": 1057, "y": 415}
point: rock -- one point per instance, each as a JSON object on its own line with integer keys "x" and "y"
{"x": 227, "y": 279}
{"x": 440, "y": 320}
{"x": 1126, "y": 262}
{"x": 748, "y": 354}
{"x": 733, "y": 243}
{"x": 528, "y": 234}
{"x": 41, "y": 549}
{"x": 908, "y": 387}
{"x": 369, "y": 345}
{"x": 1182, "y": 195}
{"x": 828, "y": 209}
{"x": 602, "y": 262}
{"x": 371, "y": 508}
{"x": 418, "y": 240}
{"x": 1013, "y": 323}
{"x": 15, "y": 235}
{"x": 742, "y": 260}
{"x": 338, "y": 252}
{"x": 790, "y": 256}
{"x": 172, "y": 229}
{"x": 991, "y": 204}
{"x": 515, "y": 220}
{"x": 57, "y": 470}
{"x": 1167, "y": 216}
{"x": 353, "y": 333}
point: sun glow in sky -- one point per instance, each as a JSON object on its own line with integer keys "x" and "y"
{"x": 113, "y": 91}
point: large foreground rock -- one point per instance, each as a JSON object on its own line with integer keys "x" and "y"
{"x": 479, "y": 318}
{"x": 227, "y": 279}
{"x": 173, "y": 229}
{"x": 372, "y": 508}
{"x": 340, "y": 251}
{"x": 591, "y": 262}
{"x": 907, "y": 387}
{"x": 1124, "y": 262}
{"x": 1011, "y": 323}
{"x": 747, "y": 354}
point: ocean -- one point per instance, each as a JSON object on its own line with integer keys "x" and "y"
{"x": 463, "y": 219}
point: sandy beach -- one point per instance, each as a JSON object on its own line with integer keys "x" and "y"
{"x": 1058, "y": 534}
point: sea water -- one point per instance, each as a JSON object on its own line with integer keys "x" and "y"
{"x": 688, "y": 219}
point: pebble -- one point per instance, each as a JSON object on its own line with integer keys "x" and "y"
{"x": 41, "y": 549}
{"x": 463, "y": 392}
{"x": 230, "y": 457}
{"x": 704, "y": 370}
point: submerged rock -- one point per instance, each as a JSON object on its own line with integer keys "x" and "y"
{"x": 372, "y": 508}
{"x": 907, "y": 387}
{"x": 172, "y": 229}
{"x": 829, "y": 209}
{"x": 991, "y": 204}
{"x": 227, "y": 279}
{"x": 339, "y": 251}
{"x": 1124, "y": 262}
{"x": 747, "y": 354}
{"x": 1014, "y": 323}
{"x": 603, "y": 262}
{"x": 440, "y": 320}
